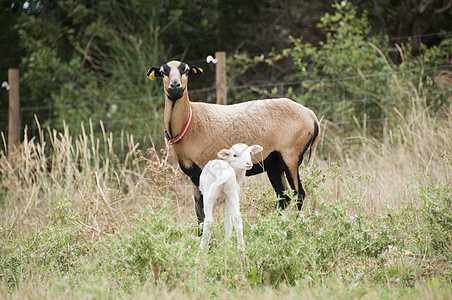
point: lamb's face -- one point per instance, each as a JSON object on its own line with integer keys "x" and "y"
{"x": 175, "y": 77}
{"x": 239, "y": 156}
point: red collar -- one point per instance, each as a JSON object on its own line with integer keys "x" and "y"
{"x": 179, "y": 137}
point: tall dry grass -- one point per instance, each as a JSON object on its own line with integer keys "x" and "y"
{"x": 416, "y": 147}
{"x": 83, "y": 172}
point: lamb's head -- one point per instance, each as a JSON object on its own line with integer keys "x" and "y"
{"x": 175, "y": 77}
{"x": 239, "y": 156}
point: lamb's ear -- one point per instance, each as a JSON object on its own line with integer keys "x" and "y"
{"x": 256, "y": 149}
{"x": 224, "y": 153}
{"x": 153, "y": 72}
{"x": 194, "y": 70}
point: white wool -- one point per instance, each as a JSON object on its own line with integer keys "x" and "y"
{"x": 219, "y": 182}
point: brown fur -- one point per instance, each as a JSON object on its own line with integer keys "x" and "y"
{"x": 277, "y": 124}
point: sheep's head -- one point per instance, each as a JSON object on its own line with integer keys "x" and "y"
{"x": 239, "y": 156}
{"x": 175, "y": 77}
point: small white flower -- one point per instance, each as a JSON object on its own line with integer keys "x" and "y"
{"x": 343, "y": 3}
{"x": 66, "y": 277}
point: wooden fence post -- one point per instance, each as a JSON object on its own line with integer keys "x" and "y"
{"x": 220, "y": 76}
{"x": 14, "y": 110}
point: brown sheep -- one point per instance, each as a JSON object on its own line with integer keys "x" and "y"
{"x": 284, "y": 128}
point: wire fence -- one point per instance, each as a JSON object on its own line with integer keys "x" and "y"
{"x": 345, "y": 101}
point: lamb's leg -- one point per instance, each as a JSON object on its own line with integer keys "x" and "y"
{"x": 227, "y": 219}
{"x": 210, "y": 201}
{"x": 208, "y": 223}
{"x": 234, "y": 204}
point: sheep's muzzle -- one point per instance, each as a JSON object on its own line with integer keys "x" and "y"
{"x": 175, "y": 93}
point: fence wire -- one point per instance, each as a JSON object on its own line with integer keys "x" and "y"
{"x": 331, "y": 95}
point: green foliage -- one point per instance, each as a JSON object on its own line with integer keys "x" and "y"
{"x": 55, "y": 36}
{"x": 52, "y": 249}
{"x": 158, "y": 249}
{"x": 336, "y": 69}
{"x": 83, "y": 59}
{"x": 333, "y": 247}
{"x": 349, "y": 78}
{"x": 345, "y": 51}
{"x": 438, "y": 216}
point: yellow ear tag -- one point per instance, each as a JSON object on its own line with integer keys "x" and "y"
{"x": 151, "y": 75}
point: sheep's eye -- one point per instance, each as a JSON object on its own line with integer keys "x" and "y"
{"x": 235, "y": 155}
{"x": 165, "y": 70}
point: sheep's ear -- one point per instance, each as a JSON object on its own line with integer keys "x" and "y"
{"x": 256, "y": 149}
{"x": 194, "y": 70}
{"x": 153, "y": 72}
{"x": 224, "y": 153}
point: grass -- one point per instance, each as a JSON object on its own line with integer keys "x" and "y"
{"x": 77, "y": 221}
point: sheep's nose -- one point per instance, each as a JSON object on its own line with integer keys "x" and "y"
{"x": 175, "y": 85}
{"x": 249, "y": 165}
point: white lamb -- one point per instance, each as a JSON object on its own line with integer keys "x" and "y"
{"x": 220, "y": 181}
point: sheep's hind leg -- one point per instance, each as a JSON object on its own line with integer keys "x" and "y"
{"x": 276, "y": 177}
{"x": 295, "y": 184}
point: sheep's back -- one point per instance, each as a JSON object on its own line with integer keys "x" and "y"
{"x": 275, "y": 124}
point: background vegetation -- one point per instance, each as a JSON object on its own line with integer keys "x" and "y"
{"x": 82, "y": 60}
{"x": 86, "y": 211}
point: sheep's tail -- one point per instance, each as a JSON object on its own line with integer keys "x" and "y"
{"x": 313, "y": 142}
